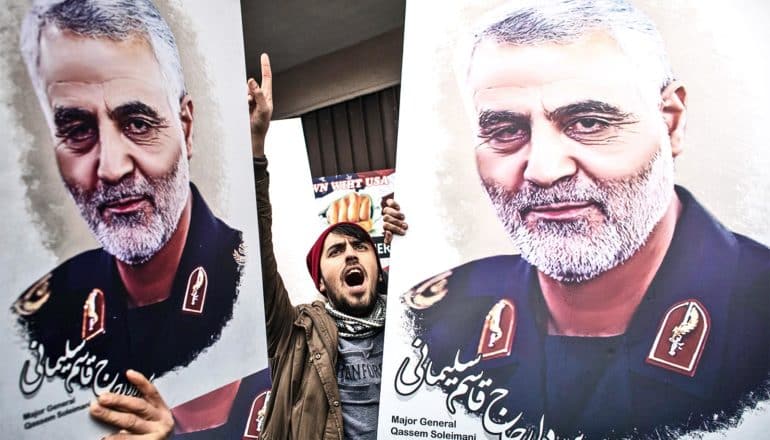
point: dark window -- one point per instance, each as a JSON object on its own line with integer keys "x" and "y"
{"x": 353, "y": 136}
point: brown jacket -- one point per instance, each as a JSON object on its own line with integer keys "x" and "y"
{"x": 302, "y": 346}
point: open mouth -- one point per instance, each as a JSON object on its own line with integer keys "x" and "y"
{"x": 354, "y": 277}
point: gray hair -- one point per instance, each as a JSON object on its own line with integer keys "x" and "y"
{"x": 117, "y": 20}
{"x": 565, "y": 21}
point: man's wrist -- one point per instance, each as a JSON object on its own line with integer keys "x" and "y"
{"x": 257, "y": 144}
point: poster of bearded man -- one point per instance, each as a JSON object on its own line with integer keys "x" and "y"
{"x": 129, "y": 235}
{"x": 587, "y": 252}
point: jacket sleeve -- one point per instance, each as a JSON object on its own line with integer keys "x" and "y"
{"x": 279, "y": 313}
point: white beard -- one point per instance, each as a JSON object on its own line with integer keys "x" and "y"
{"x": 135, "y": 238}
{"x": 580, "y": 250}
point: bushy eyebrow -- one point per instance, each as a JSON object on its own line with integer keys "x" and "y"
{"x": 489, "y": 118}
{"x": 335, "y": 246}
{"x": 65, "y": 115}
{"x": 134, "y": 108}
{"x": 588, "y": 106}
{"x": 353, "y": 242}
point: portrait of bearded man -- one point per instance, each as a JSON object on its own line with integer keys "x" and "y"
{"x": 162, "y": 286}
{"x": 629, "y": 311}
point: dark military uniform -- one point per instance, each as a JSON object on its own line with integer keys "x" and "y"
{"x": 246, "y": 415}
{"x": 83, "y": 301}
{"x": 607, "y": 387}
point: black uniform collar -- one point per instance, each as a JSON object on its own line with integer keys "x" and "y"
{"x": 702, "y": 251}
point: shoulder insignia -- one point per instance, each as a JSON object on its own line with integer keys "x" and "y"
{"x": 681, "y": 338}
{"x": 195, "y": 294}
{"x": 498, "y": 331}
{"x": 257, "y": 413}
{"x": 33, "y": 298}
{"x": 239, "y": 254}
{"x": 428, "y": 293}
{"x": 93, "y": 315}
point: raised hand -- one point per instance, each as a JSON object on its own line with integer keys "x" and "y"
{"x": 260, "y": 106}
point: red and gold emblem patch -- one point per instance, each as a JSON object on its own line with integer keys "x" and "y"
{"x": 93, "y": 315}
{"x": 256, "y": 416}
{"x": 499, "y": 327}
{"x": 681, "y": 338}
{"x": 195, "y": 294}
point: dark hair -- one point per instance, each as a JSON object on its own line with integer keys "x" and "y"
{"x": 349, "y": 230}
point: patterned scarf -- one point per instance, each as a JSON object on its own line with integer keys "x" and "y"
{"x": 360, "y": 328}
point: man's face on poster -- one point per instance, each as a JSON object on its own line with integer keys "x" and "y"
{"x": 122, "y": 144}
{"x": 573, "y": 148}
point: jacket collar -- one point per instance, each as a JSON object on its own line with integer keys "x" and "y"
{"x": 314, "y": 315}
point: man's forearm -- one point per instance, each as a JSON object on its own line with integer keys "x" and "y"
{"x": 279, "y": 313}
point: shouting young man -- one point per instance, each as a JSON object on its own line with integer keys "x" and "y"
{"x": 325, "y": 357}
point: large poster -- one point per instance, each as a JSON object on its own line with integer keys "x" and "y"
{"x": 555, "y": 282}
{"x": 129, "y": 234}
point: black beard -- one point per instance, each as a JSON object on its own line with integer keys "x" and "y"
{"x": 345, "y": 307}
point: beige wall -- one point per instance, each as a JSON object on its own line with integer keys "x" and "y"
{"x": 363, "y": 68}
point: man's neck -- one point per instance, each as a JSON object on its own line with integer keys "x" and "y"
{"x": 605, "y": 305}
{"x": 151, "y": 282}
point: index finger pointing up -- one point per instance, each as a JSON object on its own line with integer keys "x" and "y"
{"x": 267, "y": 77}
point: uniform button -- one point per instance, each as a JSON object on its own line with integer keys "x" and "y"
{"x": 317, "y": 356}
{"x": 336, "y": 403}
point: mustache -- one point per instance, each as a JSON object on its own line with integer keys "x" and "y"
{"x": 106, "y": 194}
{"x": 573, "y": 189}
{"x": 531, "y": 196}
